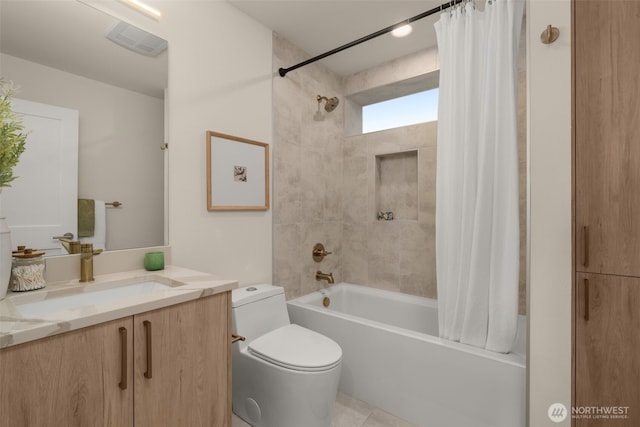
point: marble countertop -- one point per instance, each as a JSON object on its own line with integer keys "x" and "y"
{"x": 182, "y": 285}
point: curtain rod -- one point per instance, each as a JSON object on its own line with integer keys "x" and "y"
{"x": 283, "y": 71}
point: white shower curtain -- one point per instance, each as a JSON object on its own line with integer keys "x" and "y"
{"x": 477, "y": 219}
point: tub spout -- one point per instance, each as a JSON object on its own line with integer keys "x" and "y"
{"x": 322, "y": 276}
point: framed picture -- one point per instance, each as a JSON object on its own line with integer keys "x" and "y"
{"x": 237, "y": 173}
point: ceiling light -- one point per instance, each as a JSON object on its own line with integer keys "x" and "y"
{"x": 144, "y": 8}
{"x": 403, "y": 31}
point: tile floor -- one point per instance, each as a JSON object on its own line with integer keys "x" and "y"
{"x": 350, "y": 412}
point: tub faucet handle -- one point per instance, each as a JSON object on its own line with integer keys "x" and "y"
{"x": 319, "y": 252}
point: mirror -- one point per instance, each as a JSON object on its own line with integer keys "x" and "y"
{"x": 57, "y": 54}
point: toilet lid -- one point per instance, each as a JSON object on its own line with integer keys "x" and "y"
{"x": 297, "y": 348}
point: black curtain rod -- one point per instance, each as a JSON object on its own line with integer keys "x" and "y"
{"x": 283, "y": 71}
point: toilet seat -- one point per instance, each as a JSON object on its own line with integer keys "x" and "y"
{"x": 297, "y": 348}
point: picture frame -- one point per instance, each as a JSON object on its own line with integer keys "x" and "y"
{"x": 237, "y": 173}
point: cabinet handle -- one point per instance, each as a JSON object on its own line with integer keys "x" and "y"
{"x": 586, "y": 299}
{"x": 147, "y": 330}
{"x": 585, "y": 242}
{"x": 123, "y": 358}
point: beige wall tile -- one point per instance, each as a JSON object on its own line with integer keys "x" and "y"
{"x": 355, "y": 253}
{"x": 286, "y": 246}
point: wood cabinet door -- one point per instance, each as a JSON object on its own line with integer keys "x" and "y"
{"x": 72, "y": 379}
{"x": 607, "y": 136}
{"x": 182, "y": 372}
{"x": 607, "y": 347}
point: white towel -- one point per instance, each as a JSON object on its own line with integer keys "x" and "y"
{"x": 99, "y": 237}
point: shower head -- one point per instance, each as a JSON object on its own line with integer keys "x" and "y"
{"x": 330, "y": 104}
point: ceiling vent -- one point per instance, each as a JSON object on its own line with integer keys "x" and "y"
{"x": 136, "y": 39}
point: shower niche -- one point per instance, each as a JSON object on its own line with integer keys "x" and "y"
{"x": 396, "y": 186}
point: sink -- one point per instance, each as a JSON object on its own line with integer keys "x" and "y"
{"x": 86, "y": 299}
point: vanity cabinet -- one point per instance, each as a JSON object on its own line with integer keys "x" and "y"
{"x": 167, "y": 367}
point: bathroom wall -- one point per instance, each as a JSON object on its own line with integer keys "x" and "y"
{"x": 307, "y": 172}
{"x": 222, "y": 83}
{"x": 550, "y": 219}
{"x": 396, "y": 255}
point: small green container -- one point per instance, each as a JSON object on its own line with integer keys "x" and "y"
{"x": 154, "y": 261}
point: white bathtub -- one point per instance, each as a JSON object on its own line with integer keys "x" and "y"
{"x": 394, "y": 359}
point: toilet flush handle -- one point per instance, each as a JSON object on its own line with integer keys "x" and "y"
{"x": 235, "y": 338}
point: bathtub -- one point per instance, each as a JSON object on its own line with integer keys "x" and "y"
{"x": 394, "y": 359}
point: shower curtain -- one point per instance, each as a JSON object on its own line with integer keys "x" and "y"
{"x": 477, "y": 219}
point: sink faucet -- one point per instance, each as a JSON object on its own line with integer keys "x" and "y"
{"x": 86, "y": 261}
{"x": 322, "y": 276}
{"x": 71, "y": 246}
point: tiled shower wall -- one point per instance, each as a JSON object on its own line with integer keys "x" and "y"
{"x": 400, "y": 254}
{"x": 325, "y": 184}
{"x": 307, "y": 175}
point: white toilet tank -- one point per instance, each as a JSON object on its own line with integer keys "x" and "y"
{"x": 258, "y": 309}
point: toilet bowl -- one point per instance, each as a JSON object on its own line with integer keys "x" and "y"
{"x": 284, "y": 375}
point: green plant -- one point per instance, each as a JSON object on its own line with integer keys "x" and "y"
{"x": 12, "y": 137}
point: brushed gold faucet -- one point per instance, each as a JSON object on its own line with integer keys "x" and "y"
{"x": 86, "y": 261}
{"x": 70, "y": 245}
{"x": 322, "y": 276}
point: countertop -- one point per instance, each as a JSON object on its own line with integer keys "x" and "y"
{"x": 185, "y": 285}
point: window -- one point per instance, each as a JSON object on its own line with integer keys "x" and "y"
{"x": 400, "y": 103}
{"x": 406, "y": 110}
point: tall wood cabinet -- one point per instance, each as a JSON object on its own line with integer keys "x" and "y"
{"x": 607, "y": 209}
{"x": 168, "y": 367}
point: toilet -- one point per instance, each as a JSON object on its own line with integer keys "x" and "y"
{"x": 284, "y": 375}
